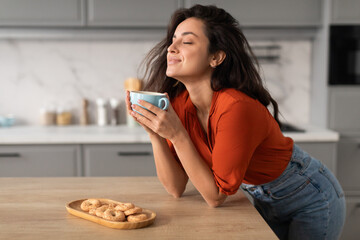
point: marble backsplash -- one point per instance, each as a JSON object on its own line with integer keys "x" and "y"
{"x": 36, "y": 73}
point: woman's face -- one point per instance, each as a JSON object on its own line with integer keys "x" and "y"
{"x": 188, "y": 55}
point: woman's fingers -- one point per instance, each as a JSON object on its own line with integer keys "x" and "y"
{"x": 142, "y": 111}
{"x": 143, "y": 120}
{"x": 150, "y": 117}
{"x": 155, "y": 110}
{"x": 128, "y": 103}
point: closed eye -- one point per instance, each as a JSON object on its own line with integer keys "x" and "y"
{"x": 187, "y": 42}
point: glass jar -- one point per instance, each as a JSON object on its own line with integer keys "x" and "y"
{"x": 63, "y": 116}
{"x": 47, "y": 116}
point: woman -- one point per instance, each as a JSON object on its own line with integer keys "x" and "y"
{"x": 219, "y": 133}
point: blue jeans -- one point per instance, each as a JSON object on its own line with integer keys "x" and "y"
{"x": 305, "y": 202}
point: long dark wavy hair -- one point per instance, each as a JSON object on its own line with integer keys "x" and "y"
{"x": 239, "y": 70}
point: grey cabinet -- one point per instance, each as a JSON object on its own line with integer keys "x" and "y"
{"x": 39, "y": 161}
{"x": 76, "y": 160}
{"x": 154, "y": 13}
{"x": 344, "y": 108}
{"x": 348, "y": 174}
{"x": 326, "y": 152}
{"x": 131, "y": 13}
{"x": 119, "y": 160}
{"x": 344, "y": 117}
{"x": 351, "y": 228}
{"x": 42, "y": 12}
{"x": 349, "y": 164}
{"x": 270, "y": 13}
{"x": 345, "y": 12}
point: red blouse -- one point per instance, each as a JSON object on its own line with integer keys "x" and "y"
{"x": 244, "y": 142}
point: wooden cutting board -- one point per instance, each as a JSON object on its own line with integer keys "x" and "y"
{"x": 74, "y": 209}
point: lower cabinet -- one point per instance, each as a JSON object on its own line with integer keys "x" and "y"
{"x": 76, "y": 160}
{"x": 326, "y": 152}
{"x": 349, "y": 178}
{"x": 105, "y": 159}
{"x": 119, "y": 160}
{"x": 349, "y": 163}
{"x": 40, "y": 161}
{"x": 351, "y": 229}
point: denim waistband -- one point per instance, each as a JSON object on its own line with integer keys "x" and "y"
{"x": 299, "y": 162}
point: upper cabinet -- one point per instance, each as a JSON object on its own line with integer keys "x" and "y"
{"x": 43, "y": 13}
{"x": 345, "y": 12}
{"x": 154, "y": 13}
{"x": 131, "y": 13}
{"x": 277, "y": 13}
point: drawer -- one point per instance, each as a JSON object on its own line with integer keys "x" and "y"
{"x": 39, "y": 161}
{"x": 119, "y": 160}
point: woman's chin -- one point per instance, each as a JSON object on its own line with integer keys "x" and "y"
{"x": 171, "y": 74}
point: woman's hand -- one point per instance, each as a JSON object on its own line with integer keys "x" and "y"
{"x": 128, "y": 103}
{"x": 129, "y": 111}
{"x": 165, "y": 123}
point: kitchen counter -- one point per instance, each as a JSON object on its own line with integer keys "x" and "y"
{"x": 34, "y": 208}
{"x": 120, "y": 134}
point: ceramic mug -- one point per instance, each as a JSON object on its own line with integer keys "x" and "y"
{"x": 157, "y": 99}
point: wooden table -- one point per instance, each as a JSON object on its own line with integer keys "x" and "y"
{"x": 34, "y": 208}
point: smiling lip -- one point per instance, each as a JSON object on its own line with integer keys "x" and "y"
{"x": 173, "y": 60}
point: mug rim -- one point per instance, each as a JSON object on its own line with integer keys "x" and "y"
{"x": 148, "y": 93}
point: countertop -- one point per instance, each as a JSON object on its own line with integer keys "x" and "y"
{"x": 34, "y": 208}
{"x": 119, "y": 134}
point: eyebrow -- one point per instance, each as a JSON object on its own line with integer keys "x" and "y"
{"x": 187, "y": 33}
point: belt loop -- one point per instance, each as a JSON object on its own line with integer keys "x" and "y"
{"x": 256, "y": 190}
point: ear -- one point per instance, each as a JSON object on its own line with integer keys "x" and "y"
{"x": 217, "y": 58}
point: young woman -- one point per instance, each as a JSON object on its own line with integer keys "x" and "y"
{"x": 219, "y": 132}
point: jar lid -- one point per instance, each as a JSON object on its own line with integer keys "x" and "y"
{"x": 114, "y": 102}
{"x": 100, "y": 101}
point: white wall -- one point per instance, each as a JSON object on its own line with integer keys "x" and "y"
{"x": 34, "y": 73}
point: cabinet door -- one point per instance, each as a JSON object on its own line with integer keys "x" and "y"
{"x": 346, "y": 11}
{"x": 351, "y": 229}
{"x": 325, "y": 152}
{"x": 349, "y": 163}
{"x": 41, "y": 12}
{"x": 344, "y": 108}
{"x": 119, "y": 160}
{"x": 131, "y": 13}
{"x": 270, "y": 13}
{"x": 39, "y": 161}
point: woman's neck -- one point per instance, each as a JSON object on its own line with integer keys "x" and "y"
{"x": 201, "y": 96}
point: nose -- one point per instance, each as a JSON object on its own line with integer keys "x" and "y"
{"x": 172, "y": 48}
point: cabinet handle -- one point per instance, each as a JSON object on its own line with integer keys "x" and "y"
{"x": 6, "y": 155}
{"x": 130, "y": 154}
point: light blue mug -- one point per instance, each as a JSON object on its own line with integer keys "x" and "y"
{"x": 157, "y": 99}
